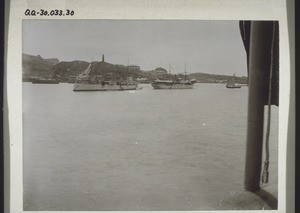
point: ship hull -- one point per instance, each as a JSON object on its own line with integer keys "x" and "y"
{"x": 45, "y": 81}
{"x": 233, "y": 87}
{"x": 100, "y": 87}
{"x": 173, "y": 86}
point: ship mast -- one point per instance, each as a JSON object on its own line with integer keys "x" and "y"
{"x": 91, "y": 73}
{"x": 170, "y": 71}
{"x": 185, "y": 76}
{"x": 127, "y": 73}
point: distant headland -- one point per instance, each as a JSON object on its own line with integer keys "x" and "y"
{"x": 37, "y": 66}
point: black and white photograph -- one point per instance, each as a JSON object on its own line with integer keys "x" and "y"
{"x": 149, "y": 106}
{"x": 149, "y": 114}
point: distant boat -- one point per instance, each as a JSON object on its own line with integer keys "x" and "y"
{"x": 231, "y": 83}
{"x": 175, "y": 83}
{"x": 87, "y": 81}
{"x": 44, "y": 81}
{"x": 170, "y": 84}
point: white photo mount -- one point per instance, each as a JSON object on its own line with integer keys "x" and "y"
{"x": 148, "y": 10}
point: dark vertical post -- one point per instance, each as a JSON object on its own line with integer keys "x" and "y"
{"x": 259, "y": 61}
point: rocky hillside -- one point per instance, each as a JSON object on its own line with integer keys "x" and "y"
{"x": 63, "y": 70}
{"x": 37, "y": 66}
{"x": 211, "y": 78}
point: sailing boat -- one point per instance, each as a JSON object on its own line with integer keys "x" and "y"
{"x": 175, "y": 83}
{"x": 231, "y": 83}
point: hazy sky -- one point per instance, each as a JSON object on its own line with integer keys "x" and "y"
{"x": 204, "y": 46}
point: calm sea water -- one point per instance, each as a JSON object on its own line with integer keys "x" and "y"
{"x": 135, "y": 150}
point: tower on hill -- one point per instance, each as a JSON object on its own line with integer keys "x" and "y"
{"x": 103, "y": 58}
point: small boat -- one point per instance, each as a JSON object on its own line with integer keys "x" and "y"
{"x": 175, "y": 83}
{"x": 44, "y": 81}
{"x": 88, "y": 81}
{"x": 231, "y": 83}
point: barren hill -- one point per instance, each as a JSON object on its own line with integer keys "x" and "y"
{"x": 36, "y": 66}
